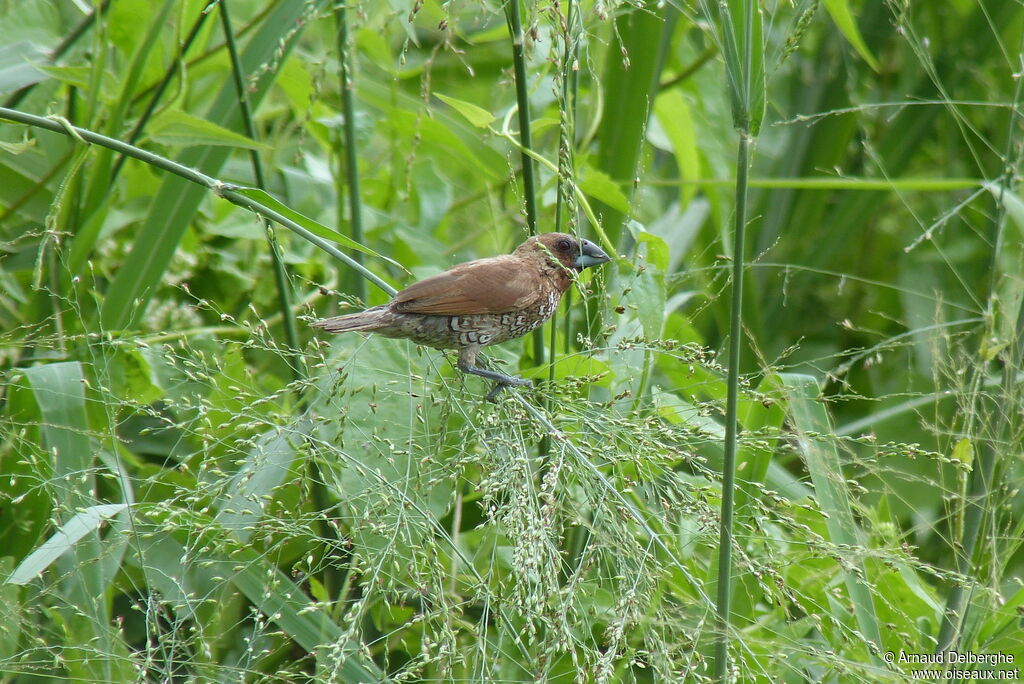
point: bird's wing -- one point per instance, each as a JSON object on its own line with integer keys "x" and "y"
{"x": 495, "y": 285}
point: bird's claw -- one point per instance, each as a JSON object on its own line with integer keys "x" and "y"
{"x": 512, "y": 381}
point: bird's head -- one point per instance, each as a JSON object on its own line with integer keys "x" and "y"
{"x": 571, "y": 253}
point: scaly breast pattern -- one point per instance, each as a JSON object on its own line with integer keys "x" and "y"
{"x": 452, "y": 332}
{"x": 485, "y": 329}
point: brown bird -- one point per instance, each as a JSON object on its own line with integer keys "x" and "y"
{"x": 480, "y": 303}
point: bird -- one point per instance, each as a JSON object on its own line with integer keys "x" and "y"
{"x": 480, "y": 303}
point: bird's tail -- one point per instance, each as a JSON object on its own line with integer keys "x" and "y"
{"x": 371, "y": 319}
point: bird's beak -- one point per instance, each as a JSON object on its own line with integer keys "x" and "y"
{"x": 590, "y": 255}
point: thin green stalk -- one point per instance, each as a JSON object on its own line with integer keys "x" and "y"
{"x": 36, "y": 187}
{"x": 281, "y": 279}
{"x": 975, "y": 508}
{"x": 739, "y": 36}
{"x": 692, "y": 68}
{"x": 725, "y": 534}
{"x": 224, "y": 190}
{"x": 523, "y": 110}
{"x": 161, "y": 87}
{"x": 515, "y": 27}
{"x": 346, "y": 74}
{"x": 845, "y": 183}
{"x": 567, "y": 123}
{"x": 626, "y": 505}
{"x": 564, "y": 197}
{"x": 97, "y": 194}
{"x": 254, "y": 21}
{"x": 981, "y": 478}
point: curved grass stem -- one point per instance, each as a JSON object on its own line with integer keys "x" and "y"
{"x": 57, "y": 125}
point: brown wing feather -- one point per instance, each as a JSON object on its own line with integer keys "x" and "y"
{"x": 494, "y": 285}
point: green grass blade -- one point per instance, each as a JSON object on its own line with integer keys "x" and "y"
{"x": 59, "y": 390}
{"x": 60, "y": 394}
{"x": 631, "y": 74}
{"x": 98, "y": 192}
{"x": 740, "y": 32}
{"x": 815, "y": 437}
{"x": 265, "y": 467}
{"x": 178, "y": 200}
{"x": 277, "y": 597}
{"x": 839, "y": 10}
{"x": 315, "y": 227}
{"x": 63, "y": 540}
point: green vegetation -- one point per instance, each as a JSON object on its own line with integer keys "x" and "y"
{"x": 196, "y": 487}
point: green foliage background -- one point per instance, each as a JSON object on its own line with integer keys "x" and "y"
{"x": 194, "y": 491}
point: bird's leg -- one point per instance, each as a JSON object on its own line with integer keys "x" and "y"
{"x": 467, "y": 364}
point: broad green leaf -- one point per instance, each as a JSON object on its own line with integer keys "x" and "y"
{"x": 130, "y": 21}
{"x": 816, "y": 441}
{"x": 676, "y": 410}
{"x": 175, "y": 204}
{"x": 17, "y": 183}
{"x": 1009, "y": 260}
{"x": 375, "y": 46}
{"x": 297, "y": 85}
{"x": 649, "y": 286}
{"x": 447, "y": 133}
{"x": 265, "y": 467}
{"x": 489, "y": 35}
{"x": 1013, "y": 204}
{"x": 963, "y": 452}
{"x": 73, "y": 75}
{"x": 542, "y": 124}
{"x": 1009, "y": 264}
{"x": 309, "y": 224}
{"x": 673, "y": 112}
{"x": 839, "y": 10}
{"x": 1005, "y": 623}
{"x": 63, "y": 540}
{"x": 17, "y": 65}
{"x": 59, "y": 389}
{"x": 764, "y": 417}
{"x": 175, "y": 127}
{"x": 25, "y": 507}
{"x": 132, "y": 378}
{"x": 478, "y": 116}
{"x": 18, "y": 147}
{"x": 632, "y": 66}
{"x": 446, "y": 140}
{"x": 572, "y": 366}
{"x": 11, "y": 614}
{"x": 277, "y": 597}
{"x": 600, "y": 186}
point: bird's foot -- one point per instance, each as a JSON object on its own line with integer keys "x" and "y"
{"x": 510, "y": 381}
{"x": 501, "y": 379}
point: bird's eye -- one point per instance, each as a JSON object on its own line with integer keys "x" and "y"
{"x": 563, "y": 245}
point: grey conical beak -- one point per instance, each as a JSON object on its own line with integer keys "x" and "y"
{"x": 590, "y": 255}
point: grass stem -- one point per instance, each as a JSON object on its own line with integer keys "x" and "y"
{"x": 725, "y": 536}
{"x": 281, "y": 279}
{"x": 515, "y": 27}
{"x": 351, "y": 157}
